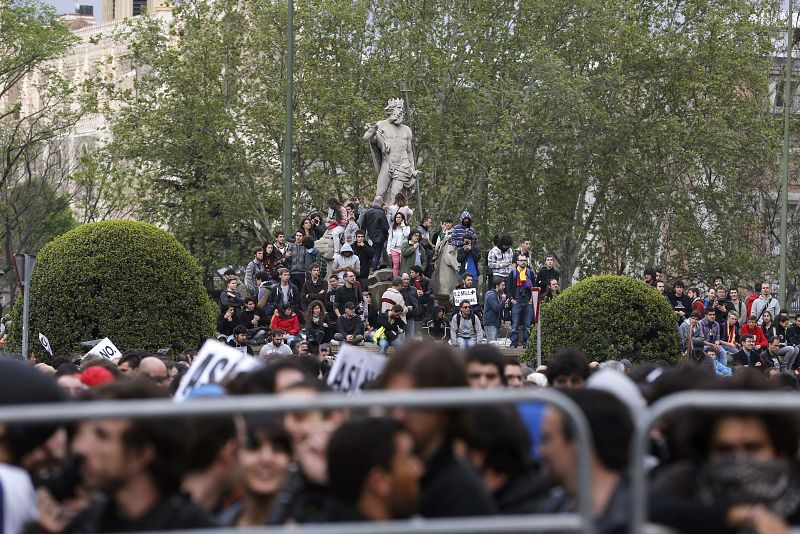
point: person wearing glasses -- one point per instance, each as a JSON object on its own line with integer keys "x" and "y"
{"x": 465, "y": 328}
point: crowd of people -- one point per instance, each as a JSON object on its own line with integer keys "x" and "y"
{"x": 715, "y": 472}
{"x": 291, "y": 289}
{"x": 725, "y": 471}
{"x": 724, "y": 328}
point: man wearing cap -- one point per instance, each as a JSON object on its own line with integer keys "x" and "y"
{"x": 351, "y": 327}
{"x": 374, "y": 222}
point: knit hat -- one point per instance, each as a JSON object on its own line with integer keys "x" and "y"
{"x": 95, "y": 375}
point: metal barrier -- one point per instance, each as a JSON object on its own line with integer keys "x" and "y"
{"x": 431, "y": 398}
{"x": 735, "y": 401}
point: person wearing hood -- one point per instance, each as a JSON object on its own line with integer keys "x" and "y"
{"x": 346, "y": 261}
{"x": 463, "y": 229}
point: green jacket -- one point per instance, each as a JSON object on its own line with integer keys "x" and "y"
{"x": 407, "y": 255}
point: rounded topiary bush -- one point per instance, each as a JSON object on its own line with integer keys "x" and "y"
{"x": 125, "y": 280}
{"x": 610, "y": 318}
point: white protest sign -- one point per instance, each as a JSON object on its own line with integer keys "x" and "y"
{"x": 470, "y": 294}
{"x": 215, "y": 363}
{"x": 353, "y": 368}
{"x": 536, "y": 300}
{"x": 106, "y": 349}
{"x": 45, "y": 343}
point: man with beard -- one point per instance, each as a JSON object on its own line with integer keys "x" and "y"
{"x": 392, "y": 154}
{"x": 138, "y": 466}
{"x": 373, "y": 472}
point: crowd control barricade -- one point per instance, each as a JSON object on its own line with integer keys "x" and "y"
{"x": 426, "y": 398}
{"x": 734, "y": 401}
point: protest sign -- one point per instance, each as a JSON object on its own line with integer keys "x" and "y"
{"x": 536, "y": 300}
{"x": 353, "y": 368}
{"x": 45, "y": 343}
{"x": 470, "y": 294}
{"x": 106, "y": 349}
{"x": 214, "y": 364}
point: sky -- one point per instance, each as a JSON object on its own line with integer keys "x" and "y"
{"x": 68, "y": 6}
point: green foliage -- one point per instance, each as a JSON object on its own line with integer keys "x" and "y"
{"x": 606, "y": 130}
{"x": 38, "y": 108}
{"x": 125, "y": 280}
{"x": 609, "y": 318}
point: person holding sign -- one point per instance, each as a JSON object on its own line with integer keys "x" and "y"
{"x": 519, "y": 289}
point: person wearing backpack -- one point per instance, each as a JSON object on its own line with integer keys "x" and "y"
{"x": 765, "y": 303}
{"x": 465, "y": 327}
{"x": 493, "y": 305}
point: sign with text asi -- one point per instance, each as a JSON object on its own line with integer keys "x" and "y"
{"x": 470, "y": 294}
{"x": 106, "y": 349}
{"x": 353, "y": 368}
{"x": 214, "y": 364}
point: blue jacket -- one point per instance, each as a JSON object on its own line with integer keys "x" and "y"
{"x": 459, "y": 231}
{"x": 492, "y": 305}
{"x": 511, "y": 284}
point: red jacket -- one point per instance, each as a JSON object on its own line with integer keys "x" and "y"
{"x": 757, "y": 332}
{"x": 287, "y": 324}
{"x": 748, "y": 304}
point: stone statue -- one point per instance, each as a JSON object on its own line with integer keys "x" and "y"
{"x": 445, "y": 274}
{"x": 390, "y": 144}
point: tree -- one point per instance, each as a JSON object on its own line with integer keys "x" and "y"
{"x": 38, "y": 108}
{"x": 610, "y": 318}
{"x": 607, "y": 141}
{"x": 125, "y": 280}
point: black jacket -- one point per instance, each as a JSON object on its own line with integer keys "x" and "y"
{"x": 463, "y": 254}
{"x": 350, "y": 326}
{"x": 276, "y": 297}
{"x": 392, "y": 329}
{"x": 172, "y": 513}
{"x": 753, "y": 360}
{"x": 450, "y": 488}
{"x": 411, "y": 299}
{"x": 345, "y": 295}
{"x": 793, "y": 335}
{"x": 544, "y": 276}
{"x": 311, "y": 292}
{"x": 376, "y": 225}
{"x": 521, "y": 493}
{"x": 364, "y": 258}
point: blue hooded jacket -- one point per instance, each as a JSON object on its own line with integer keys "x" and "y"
{"x": 459, "y": 231}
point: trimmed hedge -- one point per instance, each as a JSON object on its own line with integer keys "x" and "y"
{"x": 610, "y": 318}
{"x": 125, "y": 280}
